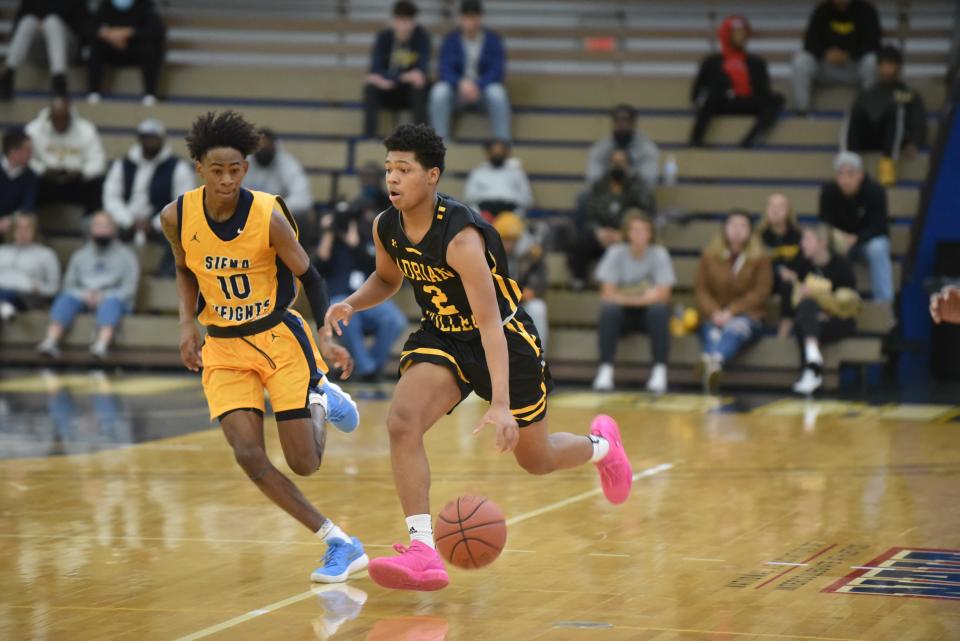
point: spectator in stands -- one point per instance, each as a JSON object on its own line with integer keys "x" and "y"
{"x": 889, "y": 117}
{"x": 18, "y": 182}
{"x": 824, "y": 304}
{"x": 127, "y": 33}
{"x": 68, "y": 155}
{"x": 780, "y": 233}
{"x": 101, "y": 277}
{"x": 29, "y": 271}
{"x": 500, "y": 184}
{"x": 637, "y": 280}
{"x": 856, "y": 207}
{"x": 471, "y": 73}
{"x": 55, "y": 18}
{"x": 398, "y": 69}
{"x": 733, "y": 285}
{"x": 604, "y": 208}
{"x": 839, "y": 47}
{"x": 144, "y": 181}
{"x": 643, "y": 152}
{"x": 275, "y": 170}
{"x": 734, "y": 82}
{"x": 346, "y": 256}
{"x": 527, "y": 265}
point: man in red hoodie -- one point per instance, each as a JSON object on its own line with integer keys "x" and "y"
{"x": 734, "y": 82}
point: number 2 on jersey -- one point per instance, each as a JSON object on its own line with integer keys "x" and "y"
{"x": 439, "y": 301}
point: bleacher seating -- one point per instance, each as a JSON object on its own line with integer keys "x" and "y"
{"x": 297, "y": 68}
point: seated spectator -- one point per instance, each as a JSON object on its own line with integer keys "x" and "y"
{"x": 604, "y": 208}
{"x": 18, "y": 183}
{"x": 126, "y": 33}
{"x": 824, "y": 305}
{"x": 471, "y": 74}
{"x": 734, "y": 82}
{"x": 346, "y": 256}
{"x": 889, "y": 117}
{"x": 527, "y": 266}
{"x": 68, "y": 155}
{"x": 856, "y": 207}
{"x": 780, "y": 234}
{"x": 102, "y": 278}
{"x": 55, "y": 18}
{"x": 734, "y": 280}
{"x": 275, "y": 170}
{"x": 839, "y": 47}
{"x": 398, "y": 69}
{"x": 143, "y": 182}
{"x": 637, "y": 281}
{"x": 643, "y": 152}
{"x": 500, "y": 184}
{"x": 29, "y": 271}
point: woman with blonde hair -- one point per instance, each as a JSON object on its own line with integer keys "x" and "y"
{"x": 780, "y": 233}
{"x": 733, "y": 284}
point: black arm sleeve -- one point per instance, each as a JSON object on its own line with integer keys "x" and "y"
{"x": 316, "y": 290}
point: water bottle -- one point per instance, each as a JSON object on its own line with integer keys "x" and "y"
{"x": 670, "y": 170}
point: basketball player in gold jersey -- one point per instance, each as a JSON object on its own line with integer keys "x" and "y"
{"x": 237, "y": 254}
{"x": 474, "y": 337}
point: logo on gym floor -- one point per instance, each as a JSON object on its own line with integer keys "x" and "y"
{"x": 910, "y": 572}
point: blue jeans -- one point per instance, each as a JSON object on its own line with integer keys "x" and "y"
{"x": 876, "y": 253}
{"x": 493, "y": 98}
{"x": 386, "y": 322}
{"x": 66, "y": 307}
{"x": 727, "y": 341}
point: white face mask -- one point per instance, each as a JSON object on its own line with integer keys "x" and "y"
{"x": 122, "y": 5}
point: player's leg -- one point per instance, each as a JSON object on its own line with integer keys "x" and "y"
{"x": 425, "y": 393}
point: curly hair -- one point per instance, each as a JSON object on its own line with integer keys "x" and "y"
{"x": 224, "y": 129}
{"x": 422, "y": 140}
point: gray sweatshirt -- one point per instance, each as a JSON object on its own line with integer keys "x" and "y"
{"x": 29, "y": 269}
{"x": 113, "y": 271}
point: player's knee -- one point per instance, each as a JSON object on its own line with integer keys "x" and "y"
{"x": 402, "y": 424}
{"x": 304, "y": 465}
{"x": 538, "y": 466}
{"x": 252, "y": 459}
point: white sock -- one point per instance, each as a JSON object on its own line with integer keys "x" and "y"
{"x": 812, "y": 352}
{"x": 330, "y": 530}
{"x": 601, "y": 447}
{"x": 420, "y": 527}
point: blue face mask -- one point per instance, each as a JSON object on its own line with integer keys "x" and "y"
{"x": 122, "y": 5}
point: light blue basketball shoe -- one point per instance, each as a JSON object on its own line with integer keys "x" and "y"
{"x": 342, "y": 559}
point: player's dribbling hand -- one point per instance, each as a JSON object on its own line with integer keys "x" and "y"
{"x": 339, "y": 357}
{"x": 190, "y": 347}
{"x": 508, "y": 433}
{"x": 338, "y": 313}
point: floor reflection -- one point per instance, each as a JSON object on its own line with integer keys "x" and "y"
{"x": 341, "y": 603}
{"x": 409, "y": 629}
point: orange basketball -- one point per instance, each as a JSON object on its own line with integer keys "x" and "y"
{"x": 470, "y": 532}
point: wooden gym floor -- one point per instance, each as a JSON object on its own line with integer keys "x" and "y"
{"x": 811, "y": 521}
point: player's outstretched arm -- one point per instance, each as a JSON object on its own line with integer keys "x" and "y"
{"x": 188, "y": 292}
{"x": 466, "y": 254}
{"x": 383, "y": 283}
{"x": 283, "y": 238}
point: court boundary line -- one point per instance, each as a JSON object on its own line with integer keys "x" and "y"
{"x": 296, "y": 598}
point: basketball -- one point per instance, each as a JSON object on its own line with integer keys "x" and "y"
{"x": 470, "y": 532}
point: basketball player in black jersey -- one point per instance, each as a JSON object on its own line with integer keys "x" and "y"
{"x": 475, "y": 336}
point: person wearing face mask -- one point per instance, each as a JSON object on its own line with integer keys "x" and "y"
{"x": 29, "y": 271}
{"x": 101, "y": 278}
{"x": 141, "y": 183}
{"x": 500, "y": 184}
{"x": 18, "y": 183}
{"x": 275, "y": 170}
{"x": 68, "y": 155}
{"x": 643, "y": 153}
{"x": 126, "y": 33}
{"x": 733, "y": 284}
{"x": 618, "y": 190}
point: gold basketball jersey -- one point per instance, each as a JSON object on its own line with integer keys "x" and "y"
{"x": 240, "y": 277}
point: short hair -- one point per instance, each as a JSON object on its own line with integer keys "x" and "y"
{"x": 268, "y": 133}
{"x": 629, "y": 110}
{"x": 422, "y": 140}
{"x": 847, "y": 159}
{"x": 404, "y": 9}
{"x": 496, "y": 141}
{"x": 890, "y": 53}
{"x": 13, "y": 138}
{"x": 636, "y": 214}
{"x": 225, "y": 129}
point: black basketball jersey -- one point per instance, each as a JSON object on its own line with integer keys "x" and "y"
{"x": 437, "y": 287}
